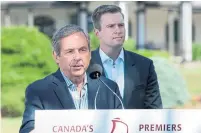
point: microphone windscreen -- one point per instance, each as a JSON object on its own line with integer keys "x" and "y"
{"x": 95, "y": 71}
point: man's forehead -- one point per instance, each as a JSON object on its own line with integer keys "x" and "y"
{"x": 71, "y": 46}
{"x": 112, "y": 18}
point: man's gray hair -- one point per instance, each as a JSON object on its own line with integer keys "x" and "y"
{"x": 64, "y": 32}
{"x": 99, "y": 11}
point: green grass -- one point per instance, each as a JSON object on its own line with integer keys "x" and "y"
{"x": 11, "y": 125}
{"x": 192, "y": 76}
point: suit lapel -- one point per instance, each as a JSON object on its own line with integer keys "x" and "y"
{"x": 62, "y": 91}
{"x": 97, "y": 60}
{"x": 92, "y": 89}
{"x": 130, "y": 74}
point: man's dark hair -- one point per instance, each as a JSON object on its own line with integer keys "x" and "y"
{"x": 99, "y": 11}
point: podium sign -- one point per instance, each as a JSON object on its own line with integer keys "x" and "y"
{"x": 118, "y": 121}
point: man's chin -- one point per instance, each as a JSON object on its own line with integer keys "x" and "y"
{"x": 78, "y": 73}
{"x": 117, "y": 45}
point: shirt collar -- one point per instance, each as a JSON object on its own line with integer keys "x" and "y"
{"x": 121, "y": 55}
{"x": 105, "y": 57}
{"x": 70, "y": 83}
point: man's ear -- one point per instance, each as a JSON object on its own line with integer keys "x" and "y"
{"x": 96, "y": 31}
{"x": 90, "y": 55}
{"x": 55, "y": 56}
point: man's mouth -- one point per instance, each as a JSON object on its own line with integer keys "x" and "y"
{"x": 117, "y": 38}
{"x": 78, "y": 66}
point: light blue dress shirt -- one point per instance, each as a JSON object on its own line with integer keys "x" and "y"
{"x": 114, "y": 70}
{"x": 80, "y": 101}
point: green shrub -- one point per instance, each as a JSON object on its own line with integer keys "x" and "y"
{"x": 26, "y": 57}
{"x": 153, "y": 53}
{"x": 130, "y": 44}
{"x": 197, "y": 52}
{"x": 172, "y": 85}
{"x": 93, "y": 41}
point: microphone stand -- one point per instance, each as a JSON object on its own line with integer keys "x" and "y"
{"x": 97, "y": 75}
{"x": 113, "y": 93}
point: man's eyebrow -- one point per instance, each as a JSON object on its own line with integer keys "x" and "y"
{"x": 110, "y": 25}
{"x": 114, "y": 24}
{"x": 68, "y": 49}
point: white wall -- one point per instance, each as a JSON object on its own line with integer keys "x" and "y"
{"x": 156, "y": 20}
{"x": 155, "y": 24}
{"x": 94, "y": 4}
{"x": 20, "y": 16}
{"x": 132, "y": 17}
{"x": 197, "y": 22}
{"x": 2, "y": 17}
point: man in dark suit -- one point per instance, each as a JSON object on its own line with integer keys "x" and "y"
{"x": 134, "y": 74}
{"x": 70, "y": 87}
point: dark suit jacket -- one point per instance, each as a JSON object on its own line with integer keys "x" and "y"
{"x": 141, "y": 89}
{"x": 51, "y": 93}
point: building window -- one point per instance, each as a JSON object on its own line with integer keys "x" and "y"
{"x": 45, "y": 24}
{"x": 130, "y": 29}
{"x": 176, "y": 32}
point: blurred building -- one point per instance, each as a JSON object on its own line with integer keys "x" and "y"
{"x": 172, "y": 26}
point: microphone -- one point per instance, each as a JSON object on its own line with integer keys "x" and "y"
{"x": 95, "y": 72}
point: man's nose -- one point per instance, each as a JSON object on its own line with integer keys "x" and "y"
{"x": 118, "y": 29}
{"x": 76, "y": 55}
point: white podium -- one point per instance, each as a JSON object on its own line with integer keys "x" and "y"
{"x": 118, "y": 121}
